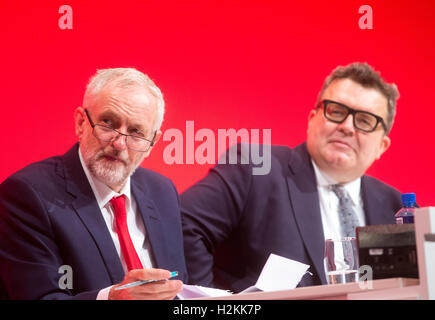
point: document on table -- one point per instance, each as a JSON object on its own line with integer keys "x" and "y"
{"x": 191, "y": 292}
{"x": 279, "y": 273}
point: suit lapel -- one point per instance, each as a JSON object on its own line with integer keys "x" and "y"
{"x": 152, "y": 222}
{"x": 376, "y": 207}
{"x": 87, "y": 209}
{"x": 305, "y": 202}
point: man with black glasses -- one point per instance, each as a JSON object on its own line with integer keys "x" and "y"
{"x": 79, "y": 226}
{"x": 233, "y": 220}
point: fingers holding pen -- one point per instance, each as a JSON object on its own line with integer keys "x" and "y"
{"x": 166, "y": 289}
{"x": 158, "y": 290}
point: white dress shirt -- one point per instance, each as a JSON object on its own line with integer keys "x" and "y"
{"x": 329, "y": 203}
{"x": 136, "y": 228}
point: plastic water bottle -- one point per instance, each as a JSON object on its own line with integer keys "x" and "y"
{"x": 406, "y": 213}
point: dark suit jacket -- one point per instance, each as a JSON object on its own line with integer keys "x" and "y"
{"x": 49, "y": 217}
{"x": 232, "y": 220}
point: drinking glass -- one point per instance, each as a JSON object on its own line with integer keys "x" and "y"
{"x": 341, "y": 260}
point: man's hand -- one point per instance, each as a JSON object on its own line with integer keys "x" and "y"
{"x": 162, "y": 290}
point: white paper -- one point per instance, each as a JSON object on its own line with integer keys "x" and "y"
{"x": 279, "y": 273}
{"x": 191, "y": 292}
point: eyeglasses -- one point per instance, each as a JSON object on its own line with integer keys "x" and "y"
{"x": 362, "y": 120}
{"x": 108, "y": 134}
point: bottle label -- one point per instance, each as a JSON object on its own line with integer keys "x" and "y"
{"x": 404, "y": 220}
{"x": 409, "y": 219}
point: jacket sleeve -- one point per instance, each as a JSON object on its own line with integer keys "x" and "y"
{"x": 29, "y": 256}
{"x": 211, "y": 210}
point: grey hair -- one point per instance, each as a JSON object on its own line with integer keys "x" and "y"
{"x": 124, "y": 78}
{"x": 366, "y": 76}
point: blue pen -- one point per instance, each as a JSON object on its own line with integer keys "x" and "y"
{"x": 140, "y": 282}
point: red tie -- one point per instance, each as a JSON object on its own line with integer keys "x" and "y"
{"x": 130, "y": 255}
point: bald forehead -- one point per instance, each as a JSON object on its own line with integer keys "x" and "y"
{"x": 135, "y": 97}
{"x": 136, "y": 106}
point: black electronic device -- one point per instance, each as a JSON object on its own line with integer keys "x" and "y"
{"x": 390, "y": 250}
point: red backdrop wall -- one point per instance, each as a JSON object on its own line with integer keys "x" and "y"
{"x": 223, "y": 64}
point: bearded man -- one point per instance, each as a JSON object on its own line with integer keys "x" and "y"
{"x": 93, "y": 211}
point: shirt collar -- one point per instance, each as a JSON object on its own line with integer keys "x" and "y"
{"x": 102, "y": 192}
{"x": 353, "y": 187}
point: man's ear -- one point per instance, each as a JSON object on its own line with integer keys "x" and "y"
{"x": 385, "y": 144}
{"x": 157, "y": 138}
{"x": 79, "y": 121}
{"x": 311, "y": 115}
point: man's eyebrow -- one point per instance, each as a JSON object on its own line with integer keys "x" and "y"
{"x": 114, "y": 117}
{"x": 137, "y": 126}
{"x": 108, "y": 113}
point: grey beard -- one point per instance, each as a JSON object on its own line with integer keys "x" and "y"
{"x": 109, "y": 173}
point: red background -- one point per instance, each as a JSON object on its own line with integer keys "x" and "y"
{"x": 223, "y": 64}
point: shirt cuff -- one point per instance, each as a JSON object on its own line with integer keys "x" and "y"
{"x": 104, "y": 293}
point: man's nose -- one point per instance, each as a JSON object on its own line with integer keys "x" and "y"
{"x": 347, "y": 125}
{"x": 120, "y": 142}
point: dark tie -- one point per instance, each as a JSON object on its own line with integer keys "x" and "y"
{"x": 127, "y": 249}
{"x": 348, "y": 218}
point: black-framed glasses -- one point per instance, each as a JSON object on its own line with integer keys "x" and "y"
{"x": 108, "y": 134}
{"x": 362, "y": 120}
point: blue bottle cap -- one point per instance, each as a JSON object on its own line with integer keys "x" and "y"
{"x": 408, "y": 198}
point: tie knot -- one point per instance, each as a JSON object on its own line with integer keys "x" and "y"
{"x": 339, "y": 191}
{"x": 118, "y": 204}
{"x": 118, "y": 199}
